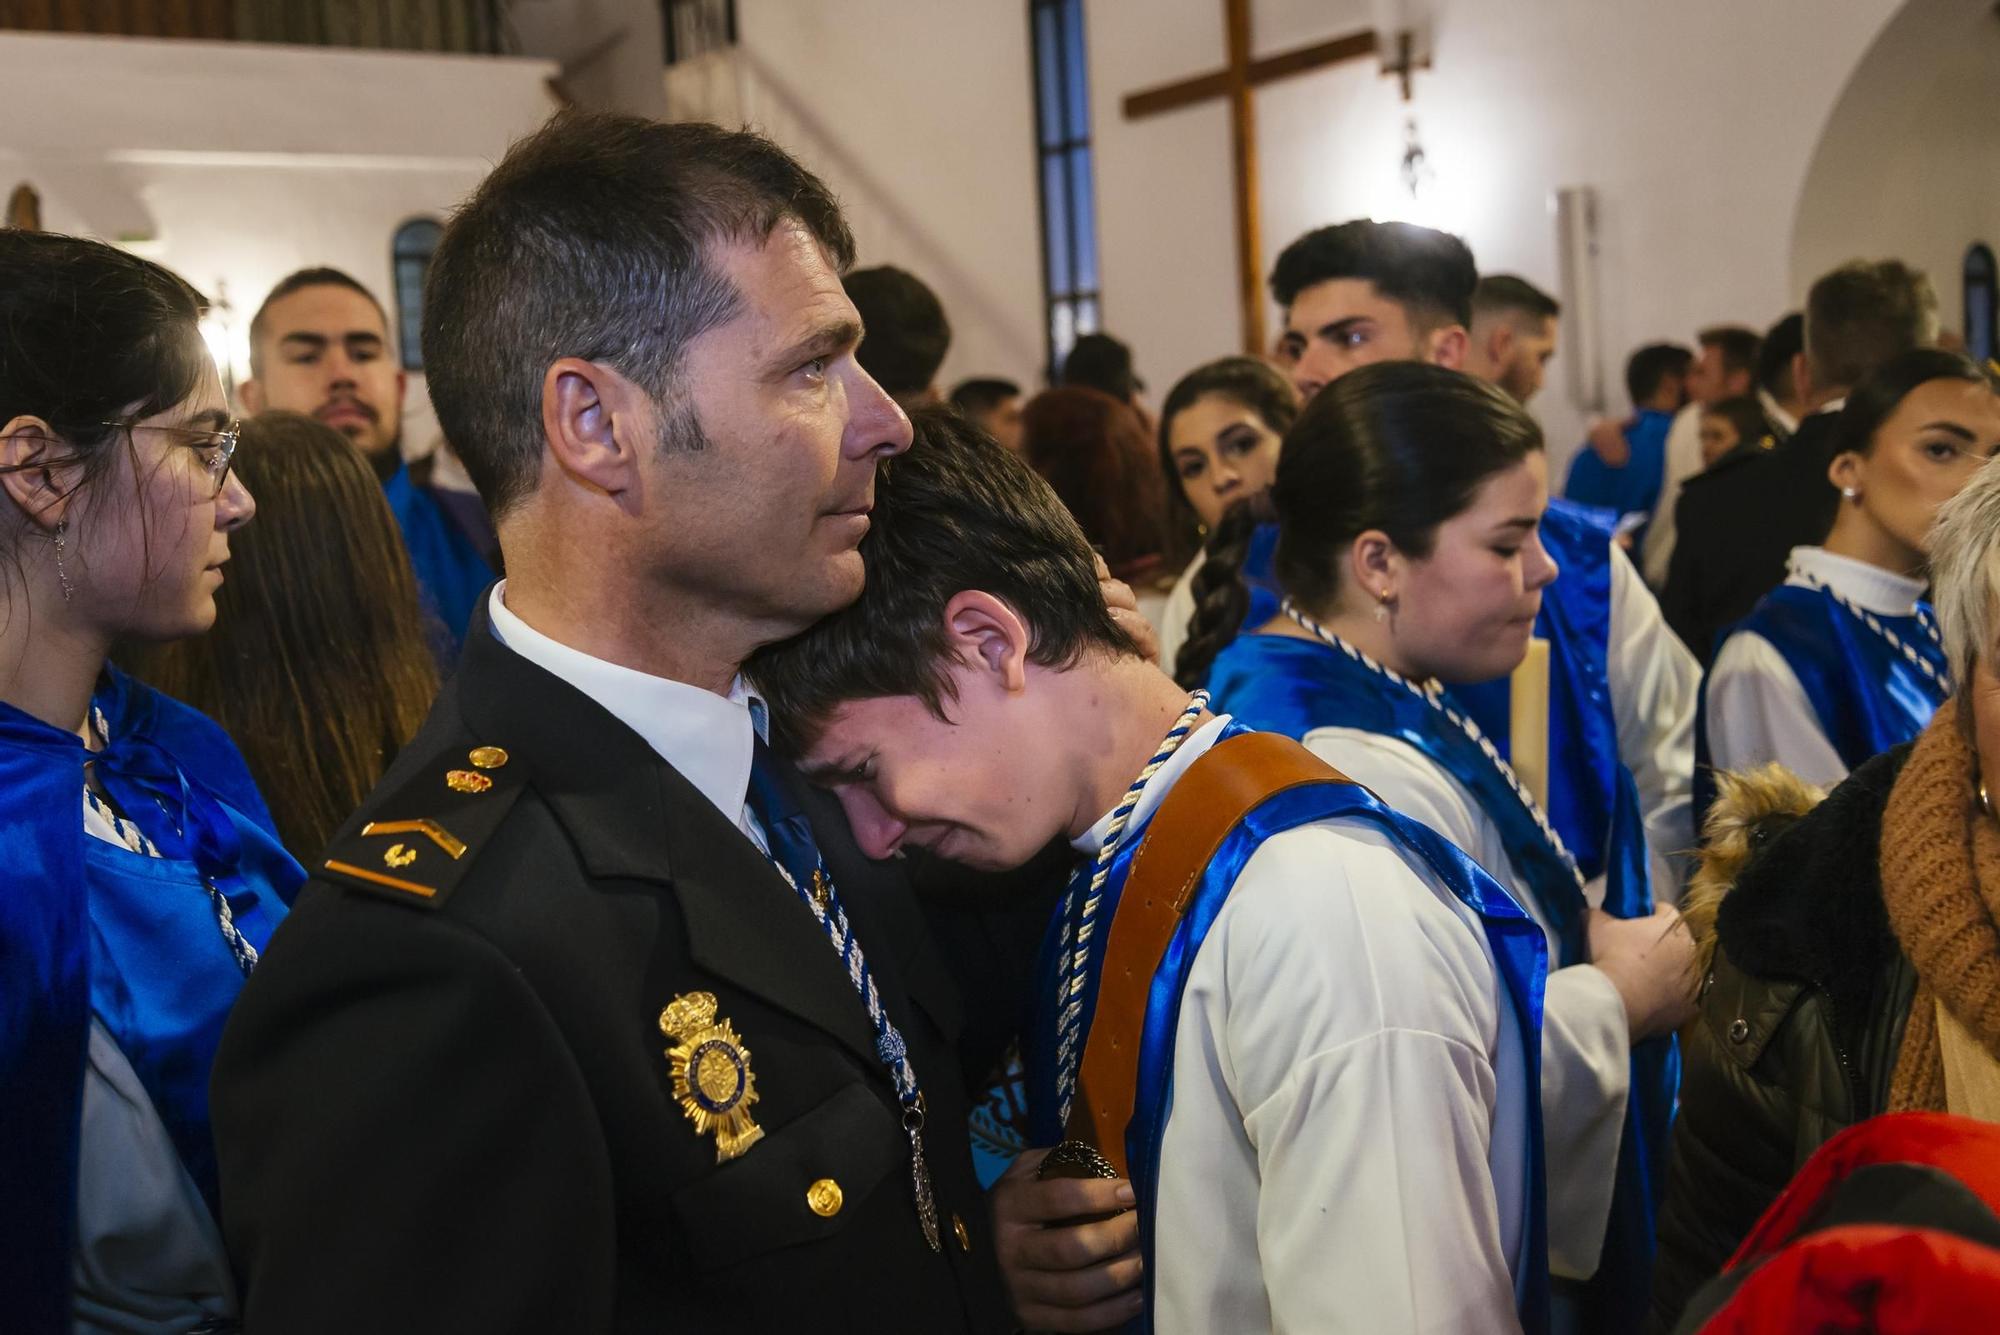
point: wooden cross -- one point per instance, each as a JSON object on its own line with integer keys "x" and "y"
{"x": 1236, "y": 82}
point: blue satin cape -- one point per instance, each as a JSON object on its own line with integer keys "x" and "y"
{"x": 1866, "y": 696}
{"x": 1520, "y": 953}
{"x": 451, "y": 574}
{"x": 86, "y": 927}
{"x": 1282, "y": 684}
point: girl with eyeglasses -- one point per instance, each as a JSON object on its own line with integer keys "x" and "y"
{"x": 140, "y": 874}
{"x": 1844, "y": 660}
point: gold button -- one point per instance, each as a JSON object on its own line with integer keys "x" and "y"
{"x": 964, "y": 1238}
{"x": 823, "y": 1198}
{"x": 487, "y": 757}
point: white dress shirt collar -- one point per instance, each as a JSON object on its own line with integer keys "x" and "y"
{"x": 1871, "y": 588}
{"x": 1155, "y": 792}
{"x": 707, "y": 737}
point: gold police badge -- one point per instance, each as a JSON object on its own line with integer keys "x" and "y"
{"x": 711, "y": 1070}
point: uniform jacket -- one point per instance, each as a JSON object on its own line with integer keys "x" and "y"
{"x": 1802, "y": 1013}
{"x": 1735, "y": 526}
{"x": 444, "y": 1102}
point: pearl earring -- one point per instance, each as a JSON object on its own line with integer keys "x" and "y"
{"x": 1850, "y": 493}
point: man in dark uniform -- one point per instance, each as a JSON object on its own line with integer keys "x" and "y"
{"x": 1736, "y": 524}
{"x": 594, "y": 1018}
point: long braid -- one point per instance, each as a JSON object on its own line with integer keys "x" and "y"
{"x": 1221, "y": 598}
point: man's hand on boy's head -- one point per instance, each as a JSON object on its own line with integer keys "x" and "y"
{"x": 1063, "y": 1276}
{"x": 1123, "y": 605}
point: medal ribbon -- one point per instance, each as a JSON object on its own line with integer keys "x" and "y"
{"x": 1072, "y": 980}
{"x": 796, "y": 855}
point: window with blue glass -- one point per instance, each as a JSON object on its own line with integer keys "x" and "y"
{"x": 1982, "y": 294}
{"x": 411, "y": 259}
{"x": 1068, "y": 186}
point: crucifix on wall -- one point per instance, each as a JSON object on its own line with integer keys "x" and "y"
{"x": 1238, "y": 81}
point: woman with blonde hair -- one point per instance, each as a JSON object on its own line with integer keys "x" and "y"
{"x": 1855, "y": 961}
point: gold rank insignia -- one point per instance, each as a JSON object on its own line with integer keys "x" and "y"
{"x": 711, "y": 1070}
{"x": 466, "y": 781}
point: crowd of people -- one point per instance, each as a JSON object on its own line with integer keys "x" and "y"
{"x": 789, "y": 845}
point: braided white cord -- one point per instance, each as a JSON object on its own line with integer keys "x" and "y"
{"x": 1869, "y": 619}
{"x": 1431, "y": 694}
{"x": 1069, "y": 989}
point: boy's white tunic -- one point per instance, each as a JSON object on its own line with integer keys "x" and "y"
{"x": 1345, "y": 1150}
{"x": 1586, "y": 1040}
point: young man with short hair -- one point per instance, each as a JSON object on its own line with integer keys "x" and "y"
{"x": 320, "y": 345}
{"x": 1513, "y": 334}
{"x": 1620, "y": 768}
{"x": 1656, "y": 379}
{"x": 1340, "y": 971}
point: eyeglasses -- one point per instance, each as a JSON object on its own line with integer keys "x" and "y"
{"x": 215, "y": 448}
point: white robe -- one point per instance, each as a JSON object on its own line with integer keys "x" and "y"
{"x": 1344, "y": 1150}
{"x": 1178, "y": 613}
{"x": 1757, "y": 710}
{"x": 1586, "y": 1039}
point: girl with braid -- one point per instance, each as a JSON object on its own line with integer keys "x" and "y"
{"x": 1408, "y": 500}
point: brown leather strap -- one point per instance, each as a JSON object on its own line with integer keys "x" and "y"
{"x": 1218, "y": 790}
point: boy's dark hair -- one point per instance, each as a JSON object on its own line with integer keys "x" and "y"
{"x": 597, "y": 237}
{"x": 1647, "y": 367}
{"x": 982, "y": 394}
{"x": 905, "y": 334}
{"x": 956, "y": 512}
{"x": 1739, "y": 346}
{"x": 1430, "y": 273}
{"x": 1782, "y": 342}
{"x": 1506, "y": 293}
{"x": 1102, "y": 363}
{"x": 319, "y": 276}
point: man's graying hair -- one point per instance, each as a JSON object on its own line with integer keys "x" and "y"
{"x": 594, "y": 238}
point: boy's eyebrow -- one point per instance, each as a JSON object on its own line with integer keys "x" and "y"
{"x": 830, "y": 773}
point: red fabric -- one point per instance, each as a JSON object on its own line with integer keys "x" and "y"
{"x": 1959, "y": 1146}
{"x": 1879, "y": 1279}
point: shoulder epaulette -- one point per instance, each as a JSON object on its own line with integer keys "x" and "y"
{"x": 415, "y": 845}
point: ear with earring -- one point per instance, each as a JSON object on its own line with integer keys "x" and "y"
{"x": 62, "y": 532}
{"x": 1851, "y": 493}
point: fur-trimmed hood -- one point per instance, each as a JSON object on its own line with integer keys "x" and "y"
{"x": 1793, "y": 883}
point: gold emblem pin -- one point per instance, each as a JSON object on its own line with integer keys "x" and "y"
{"x": 711, "y": 1070}
{"x": 822, "y": 890}
{"x": 399, "y": 856}
{"x": 467, "y": 781}
{"x": 487, "y": 757}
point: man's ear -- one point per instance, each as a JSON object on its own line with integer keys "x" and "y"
{"x": 1499, "y": 344}
{"x": 1447, "y": 347}
{"x": 989, "y": 637}
{"x": 595, "y": 422}
{"x": 1802, "y": 381}
{"x": 36, "y": 470}
{"x": 251, "y": 395}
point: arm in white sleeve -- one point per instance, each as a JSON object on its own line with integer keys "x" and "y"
{"x": 1586, "y": 1038}
{"x": 1758, "y": 713}
{"x": 1174, "y": 621}
{"x": 1359, "y": 1041}
{"x": 1683, "y": 461}
{"x": 1655, "y": 690}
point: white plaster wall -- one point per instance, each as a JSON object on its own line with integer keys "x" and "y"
{"x": 1695, "y": 123}
{"x": 920, "y": 117}
{"x": 1910, "y": 165}
{"x": 237, "y": 163}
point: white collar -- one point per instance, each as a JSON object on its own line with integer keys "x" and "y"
{"x": 1871, "y": 588}
{"x": 1776, "y": 411}
{"x": 1091, "y": 841}
{"x": 708, "y": 738}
